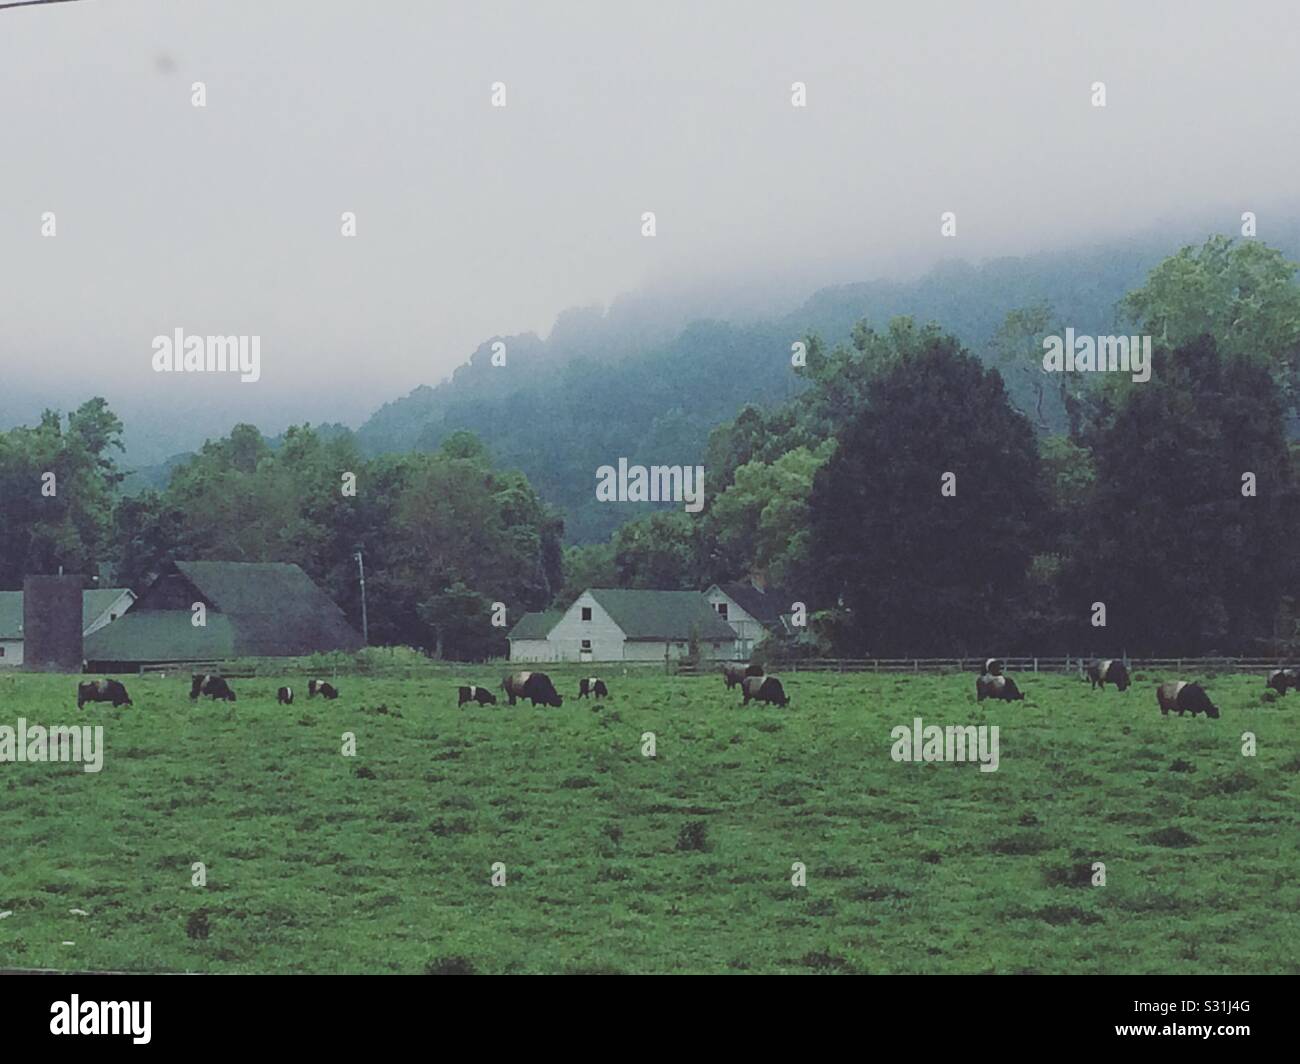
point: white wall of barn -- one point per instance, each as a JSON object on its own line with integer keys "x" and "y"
{"x": 606, "y": 638}
{"x": 531, "y": 650}
{"x": 11, "y": 652}
{"x": 749, "y": 630}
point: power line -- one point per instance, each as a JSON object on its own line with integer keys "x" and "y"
{"x": 29, "y": 3}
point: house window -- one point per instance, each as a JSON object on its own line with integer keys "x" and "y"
{"x": 722, "y": 610}
{"x": 586, "y": 644}
{"x": 586, "y": 613}
{"x": 2, "y": 652}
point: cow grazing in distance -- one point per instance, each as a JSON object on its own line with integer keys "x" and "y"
{"x": 593, "y": 685}
{"x": 763, "y": 689}
{"x": 1181, "y": 696}
{"x": 1003, "y": 687}
{"x": 327, "y": 690}
{"x": 734, "y": 674}
{"x": 284, "y": 696}
{"x": 1280, "y": 680}
{"x": 993, "y": 667}
{"x": 475, "y": 693}
{"x": 1108, "y": 671}
{"x": 204, "y": 683}
{"x": 534, "y": 686}
{"x": 103, "y": 691}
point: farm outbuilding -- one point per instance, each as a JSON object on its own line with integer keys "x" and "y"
{"x": 99, "y": 607}
{"x": 250, "y": 609}
{"x": 753, "y": 610}
{"x": 625, "y": 624}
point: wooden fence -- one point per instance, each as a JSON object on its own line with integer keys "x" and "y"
{"x": 1068, "y": 664}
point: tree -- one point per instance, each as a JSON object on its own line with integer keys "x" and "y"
{"x": 916, "y": 571}
{"x": 1182, "y": 558}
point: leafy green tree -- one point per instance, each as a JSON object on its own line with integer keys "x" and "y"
{"x": 1183, "y": 560}
{"x": 912, "y": 570}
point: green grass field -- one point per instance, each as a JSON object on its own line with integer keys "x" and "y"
{"x": 382, "y": 862}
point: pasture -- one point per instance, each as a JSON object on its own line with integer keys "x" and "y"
{"x": 616, "y": 862}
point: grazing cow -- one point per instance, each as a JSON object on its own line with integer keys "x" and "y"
{"x": 993, "y": 667}
{"x": 593, "y": 685}
{"x": 734, "y": 674}
{"x": 1108, "y": 671}
{"x": 327, "y": 690}
{"x": 1183, "y": 696}
{"x": 103, "y": 691}
{"x": 204, "y": 683}
{"x": 1003, "y": 687}
{"x": 534, "y": 686}
{"x": 1280, "y": 680}
{"x": 284, "y": 696}
{"x": 474, "y": 693}
{"x": 763, "y": 689}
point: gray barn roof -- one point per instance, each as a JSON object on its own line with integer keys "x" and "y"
{"x": 662, "y": 615}
{"x": 258, "y": 609}
{"x": 93, "y": 603}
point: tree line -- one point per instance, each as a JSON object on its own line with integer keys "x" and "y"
{"x": 1172, "y": 503}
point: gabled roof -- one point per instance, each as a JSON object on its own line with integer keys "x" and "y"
{"x": 535, "y": 625}
{"x": 764, "y": 606}
{"x": 93, "y": 603}
{"x": 667, "y": 615}
{"x": 258, "y": 609}
{"x": 11, "y": 614}
{"x": 163, "y": 635}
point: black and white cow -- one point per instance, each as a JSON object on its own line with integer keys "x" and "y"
{"x": 475, "y": 693}
{"x": 534, "y": 686}
{"x": 1282, "y": 680}
{"x": 284, "y": 696}
{"x": 322, "y": 688}
{"x": 1003, "y": 687}
{"x": 592, "y": 685}
{"x": 1182, "y": 697}
{"x": 204, "y": 683}
{"x": 763, "y": 689}
{"x": 1107, "y": 671}
{"x": 103, "y": 691}
{"x": 734, "y": 674}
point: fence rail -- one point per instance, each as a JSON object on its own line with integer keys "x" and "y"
{"x": 1067, "y": 664}
{"x": 247, "y": 668}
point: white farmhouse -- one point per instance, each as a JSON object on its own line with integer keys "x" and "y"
{"x": 622, "y": 624}
{"x": 753, "y": 611}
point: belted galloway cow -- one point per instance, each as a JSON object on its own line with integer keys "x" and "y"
{"x": 1108, "y": 671}
{"x": 103, "y": 691}
{"x": 204, "y": 683}
{"x": 1003, "y": 687}
{"x": 763, "y": 689}
{"x": 1182, "y": 697}
{"x": 1282, "y": 680}
{"x": 534, "y": 686}
{"x": 592, "y": 685}
{"x": 474, "y": 693}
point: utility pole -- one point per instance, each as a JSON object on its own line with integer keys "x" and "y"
{"x": 361, "y": 572}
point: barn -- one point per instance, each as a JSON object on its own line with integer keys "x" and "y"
{"x": 100, "y": 607}
{"x": 250, "y": 609}
{"x": 624, "y": 624}
{"x": 753, "y": 610}
{"x": 528, "y": 638}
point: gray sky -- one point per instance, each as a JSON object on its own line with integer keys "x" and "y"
{"x": 475, "y": 221}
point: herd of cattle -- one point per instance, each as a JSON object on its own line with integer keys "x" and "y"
{"x": 202, "y": 684}
{"x": 1177, "y": 695}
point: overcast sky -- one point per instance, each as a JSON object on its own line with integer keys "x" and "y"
{"x": 475, "y": 221}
